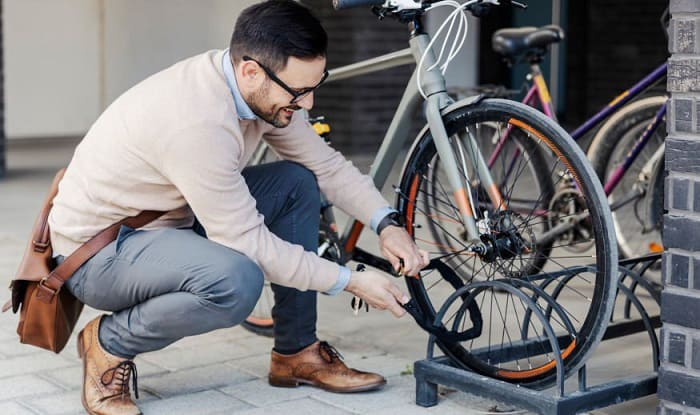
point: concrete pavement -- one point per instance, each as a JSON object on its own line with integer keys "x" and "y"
{"x": 225, "y": 371}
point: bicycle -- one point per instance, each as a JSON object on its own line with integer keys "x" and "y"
{"x": 491, "y": 212}
{"x": 626, "y": 152}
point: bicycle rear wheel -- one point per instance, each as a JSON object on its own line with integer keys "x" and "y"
{"x": 569, "y": 221}
{"x": 640, "y": 191}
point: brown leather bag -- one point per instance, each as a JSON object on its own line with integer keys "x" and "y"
{"x": 47, "y": 313}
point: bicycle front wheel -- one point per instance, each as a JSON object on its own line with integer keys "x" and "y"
{"x": 563, "y": 216}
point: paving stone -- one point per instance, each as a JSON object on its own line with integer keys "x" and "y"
{"x": 147, "y": 368}
{"x": 69, "y": 402}
{"x": 58, "y": 404}
{"x": 477, "y": 403}
{"x": 24, "y": 386}
{"x": 257, "y": 344}
{"x": 259, "y": 393}
{"x": 206, "y": 402}
{"x": 7, "y": 320}
{"x": 233, "y": 333}
{"x": 354, "y": 352}
{"x": 303, "y": 406}
{"x": 12, "y": 408}
{"x": 8, "y": 335}
{"x": 35, "y": 362}
{"x": 398, "y": 391}
{"x": 193, "y": 380}
{"x": 176, "y": 358}
{"x": 258, "y": 366}
{"x": 12, "y": 348}
{"x": 386, "y": 365}
{"x": 71, "y": 377}
{"x": 444, "y": 407}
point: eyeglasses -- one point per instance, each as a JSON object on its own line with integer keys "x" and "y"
{"x": 298, "y": 94}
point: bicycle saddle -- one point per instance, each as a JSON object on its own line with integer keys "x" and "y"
{"x": 512, "y": 42}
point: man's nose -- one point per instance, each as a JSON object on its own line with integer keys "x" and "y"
{"x": 307, "y": 102}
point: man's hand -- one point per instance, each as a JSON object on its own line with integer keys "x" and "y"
{"x": 378, "y": 291}
{"x": 396, "y": 245}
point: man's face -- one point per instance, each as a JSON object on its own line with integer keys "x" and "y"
{"x": 271, "y": 102}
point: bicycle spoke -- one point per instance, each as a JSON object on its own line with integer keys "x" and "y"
{"x": 542, "y": 227}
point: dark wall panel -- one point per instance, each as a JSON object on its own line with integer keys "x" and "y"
{"x": 612, "y": 45}
{"x": 360, "y": 109}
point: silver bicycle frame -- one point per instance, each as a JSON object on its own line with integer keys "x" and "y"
{"x": 397, "y": 135}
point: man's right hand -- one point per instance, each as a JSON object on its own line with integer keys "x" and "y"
{"x": 378, "y": 291}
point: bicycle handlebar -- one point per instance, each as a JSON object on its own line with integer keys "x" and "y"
{"x": 346, "y": 4}
{"x": 478, "y": 9}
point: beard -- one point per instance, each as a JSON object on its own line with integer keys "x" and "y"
{"x": 274, "y": 115}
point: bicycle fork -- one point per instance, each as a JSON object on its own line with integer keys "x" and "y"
{"x": 458, "y": 179}
{"x": 433, "y": 83}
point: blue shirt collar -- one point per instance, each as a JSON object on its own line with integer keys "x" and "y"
{"x": 242, "y": 108}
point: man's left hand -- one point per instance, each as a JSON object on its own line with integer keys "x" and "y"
{"x": 396, "y": 245}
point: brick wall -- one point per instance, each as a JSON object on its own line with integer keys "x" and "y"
{"x": 679, "y": 375}
{"x": 359, "y": 109}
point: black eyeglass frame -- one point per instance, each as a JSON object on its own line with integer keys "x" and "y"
{"x": 296, "y": 95}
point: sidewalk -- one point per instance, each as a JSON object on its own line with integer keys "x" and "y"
{"x": 224, "y": 372}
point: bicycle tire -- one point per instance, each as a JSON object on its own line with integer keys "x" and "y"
{"x": 609, "y": 146}
{"x": 596, "y": 305}
{"x": 260, "y": 326}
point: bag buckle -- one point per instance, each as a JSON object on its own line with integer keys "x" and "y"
{"x": 40, "y": 247}
{"x": 45, "y": 293}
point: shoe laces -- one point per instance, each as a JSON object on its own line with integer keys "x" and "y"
{"x": 119, "y": 375}
{"x": 331, "y": 351}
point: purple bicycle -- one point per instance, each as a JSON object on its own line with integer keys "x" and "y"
{"x": 626, "y": 152}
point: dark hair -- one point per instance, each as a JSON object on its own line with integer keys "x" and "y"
{"x": 274, "y": 30}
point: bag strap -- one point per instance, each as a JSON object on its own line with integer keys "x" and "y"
{"x": 51, "y": 284}
{"x": 40, "y": 232}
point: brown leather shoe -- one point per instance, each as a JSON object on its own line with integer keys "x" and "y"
{"x": 320, "y": 365}
{"x": 105, "y": 376}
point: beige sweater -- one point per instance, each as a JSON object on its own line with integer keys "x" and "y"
{"x": 174, "y": 143}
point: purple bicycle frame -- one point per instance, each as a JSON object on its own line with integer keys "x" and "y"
{"x": 540, "y": 95}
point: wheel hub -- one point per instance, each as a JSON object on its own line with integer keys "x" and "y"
{"x": 504, "y": 241}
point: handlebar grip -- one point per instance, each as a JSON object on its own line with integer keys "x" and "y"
{"x": 346, "y": 4}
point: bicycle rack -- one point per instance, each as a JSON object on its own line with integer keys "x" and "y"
{"x": 434, "y": 371}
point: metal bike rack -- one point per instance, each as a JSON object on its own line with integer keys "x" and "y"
{"x": 431, "y": 372}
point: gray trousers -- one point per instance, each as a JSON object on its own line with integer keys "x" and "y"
{"x": 163, "y": 285}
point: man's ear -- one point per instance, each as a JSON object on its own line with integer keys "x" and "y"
{"x": 250, "y": 73}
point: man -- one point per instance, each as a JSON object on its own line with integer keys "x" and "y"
{"x": 178, "y": 142}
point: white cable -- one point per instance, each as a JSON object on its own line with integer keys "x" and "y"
{"x": 428, "y": 48}
{"x": 463, "y": 24}
{"x": 459, "y": 37}
{"x": 458, "y": 42}
{"x": 444, "y": 44}
{"x": 451, "y": 18}
{"x": 445, "y": 3}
